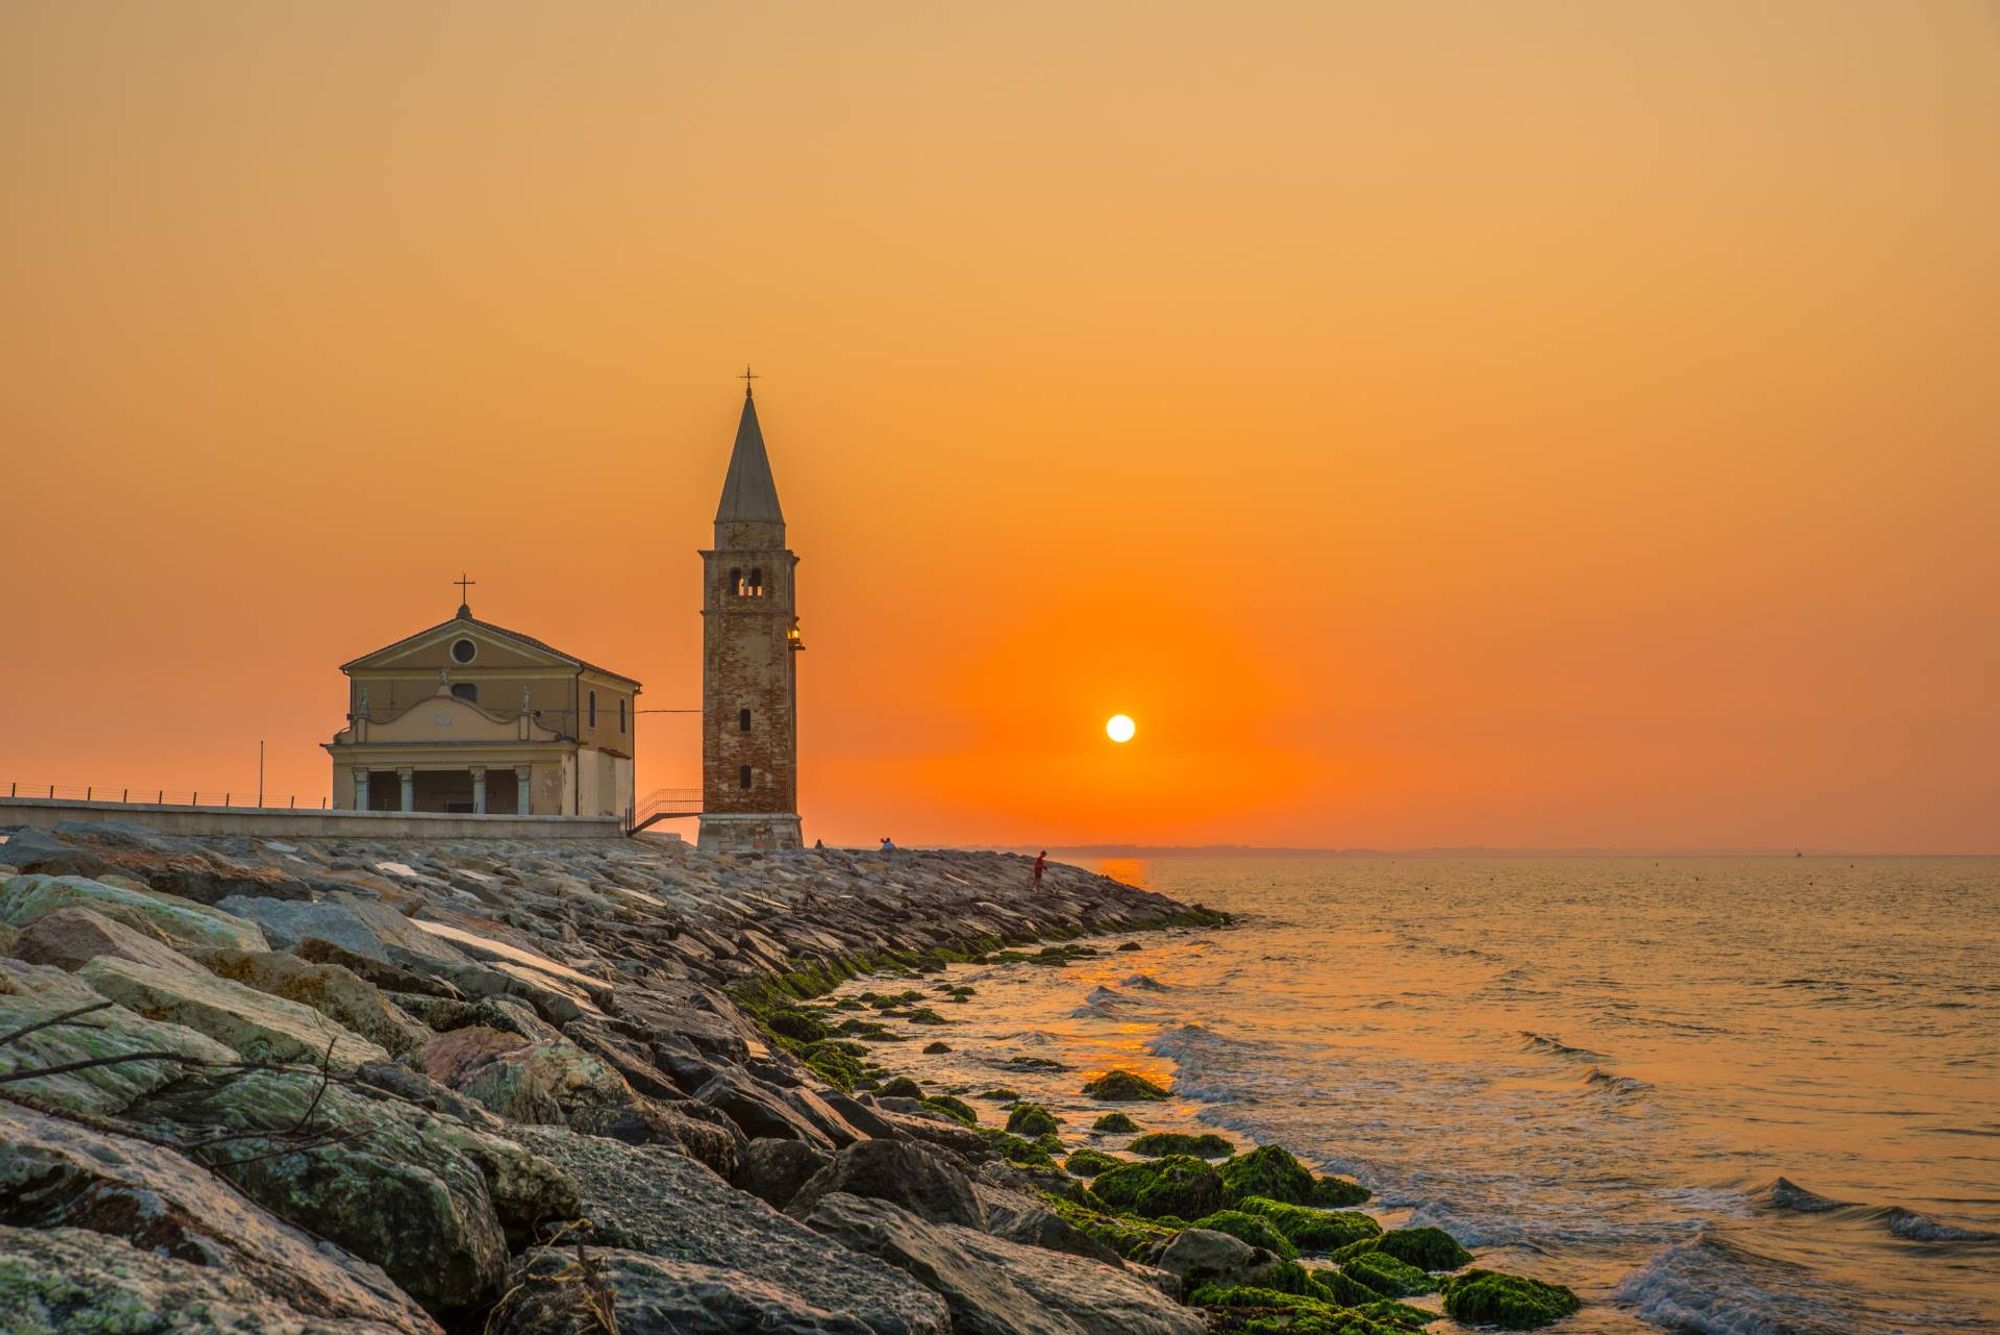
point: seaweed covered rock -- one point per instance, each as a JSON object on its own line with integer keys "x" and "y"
{"x": 1127, "y": 1235}
{"x": 1253, "y": 1229}
{"x": 1424, "y": 1247}
{"x": 1033, "y": 1222}
{"x": 1313, "y": 1230}
{"x": 1089, "y": 1163}
{"x": 956, "y": 1109}
{"x": 1512, "y": 1302}
{"x": 1115, "y": 1123}
{"x": 1159, "y": 1144}
{"x": 902, "y": 1087}
{"x": 1269, "y": 1171}
{"x": 1180, "y": 1185}
{"x": 1032, "y": 1120}
{"x": 1388, "y": 1276}
{"x": 1267, "y": 1311}
{"x": 1337, "y": 1193}
{"x": 1124, "y": 1087}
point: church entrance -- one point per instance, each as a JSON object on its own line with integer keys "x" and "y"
{"x": 444, "y": 790}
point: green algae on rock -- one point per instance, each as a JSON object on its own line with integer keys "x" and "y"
{"x": 1269, "y": 1172}
{"x": 1124, "y": 1087}
{"x": 1032, "y": 1120}
{"x": 1180, "y": 1185}
{"x": 1424, "y": 1247}
{"x": 1089, "y": 1163}
{"x": 1159, "y": 1144}
{"x": 956, "y": 1109}
{"x": 1253, "y": 1229}
{"x": 1388, "y": 1276}
{"x": 1255, "y": 1310}
{"x": 1337, "y": 1193}
{"x": 1113, "y": 1123}
{"x": 1313, "y": 1230}
{"x": 902, "y": 1087}
{"x": 1512, "y": 1302}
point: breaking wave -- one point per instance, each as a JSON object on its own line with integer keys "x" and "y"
{"x": 1712, "y": 1286}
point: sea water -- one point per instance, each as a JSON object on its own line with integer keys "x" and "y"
{"x": 1739, "y": 1095}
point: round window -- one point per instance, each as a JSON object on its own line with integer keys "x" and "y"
{"x": 464, "y": 650}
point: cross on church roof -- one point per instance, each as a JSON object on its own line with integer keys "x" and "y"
{"x": 747, "y": 376}
{"x": 464, "y": 603}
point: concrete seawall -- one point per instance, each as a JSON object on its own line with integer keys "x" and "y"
{"x": 284, "y": 823}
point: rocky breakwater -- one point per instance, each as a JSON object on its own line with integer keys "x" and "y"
{"x": 344, "y": 1085}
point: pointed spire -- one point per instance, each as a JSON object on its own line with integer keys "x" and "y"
{"x": 749, "y": 495}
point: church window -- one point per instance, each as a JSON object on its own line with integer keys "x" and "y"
{"x": 467, "y": 691}
{"x": 593, "y": 709}
{"x": 743, "y": 776}
{"x": 621, "y": 713}
{"x": 757, "y": 583}
{"x": 464, "y": 651}
{"x": 743, "y": 720}
{"x": 737, "y": 582}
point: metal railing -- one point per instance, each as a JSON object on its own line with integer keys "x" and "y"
{"x": 663, "y": 804}
{"x": 166, "y": 797}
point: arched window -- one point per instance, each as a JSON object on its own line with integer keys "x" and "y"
{"x": 593, "y": 709}
{"x": 743, "y": 776}
{"x": 742, "y": 720}
{"x": 737, "y": 582}
{"x": 467, "y": 691}
{"x": 621, "y": 713}
{"x": 757, "y": 583}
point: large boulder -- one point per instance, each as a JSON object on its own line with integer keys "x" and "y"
{"x": 363, "y": 926}
{"x": 758, "y": 1111}
{"x": 522, "y": 1080}
{"x": 39, "y": 851}
{"x": 774, "y": 1170}
{"x": 1028, "y": 1221}
{"x": 101, "y": 1232}
{"x": 71, "y": 938}
{"x": 586, "y": 1292}
{"x": 995, "y": 1287}
{"x": 390, "y": 1186}
{"x": 330, "y": 989}
{"x": 647, "y": 1199}
{"x": 179, "y": 922}
{"x": 257, "y": 1026}
{"x": 1204, "y": 1256}
{"x": 1179, "y": 1185}
{"x": 911, "y": 1175}
{"x": 39, "y": 995}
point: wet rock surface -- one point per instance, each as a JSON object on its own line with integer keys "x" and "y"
{"x": 347, "y": 1085}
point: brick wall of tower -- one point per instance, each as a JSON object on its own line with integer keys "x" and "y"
{"x": 748, "y": 663}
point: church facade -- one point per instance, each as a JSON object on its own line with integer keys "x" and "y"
{"x": 471, "y": 717}
{"x": 749, "y": 661}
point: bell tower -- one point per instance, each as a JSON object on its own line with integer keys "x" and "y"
{"x": 750, "y": 648}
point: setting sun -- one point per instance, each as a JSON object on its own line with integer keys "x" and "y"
{"x": 1120, "y": 728}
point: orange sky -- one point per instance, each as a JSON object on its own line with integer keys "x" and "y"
{"x": 1529, "y": 424}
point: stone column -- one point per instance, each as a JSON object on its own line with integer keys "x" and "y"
{"x": 409, "y": 778}
{"x": 524, "y": 801}
{"x": 361, "y": 788}
{"x": 479, "y": 789}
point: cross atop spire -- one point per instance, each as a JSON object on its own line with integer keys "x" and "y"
{"x": 748, "y": 493}
{"x": 464, "y": 602}
{"x": 747, "y": 376}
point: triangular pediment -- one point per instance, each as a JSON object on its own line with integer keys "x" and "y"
{"x": 493, "y": 647}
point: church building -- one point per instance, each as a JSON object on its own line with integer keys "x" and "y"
{"x": 749, "y": 663}
{"x": 472, "y": 717}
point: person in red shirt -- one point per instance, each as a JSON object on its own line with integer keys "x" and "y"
{"x": 1041, "y": 862}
